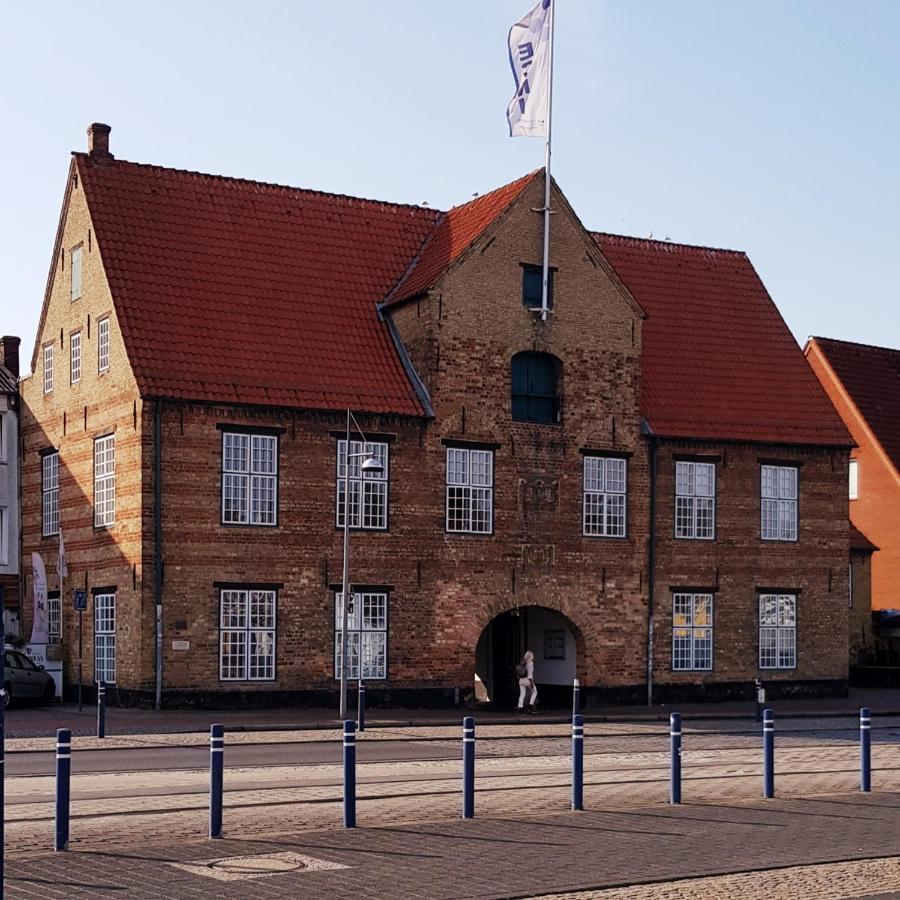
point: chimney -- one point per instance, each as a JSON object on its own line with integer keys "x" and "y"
{"x": 98, "y": 142}
{"x": 9, "y": 353}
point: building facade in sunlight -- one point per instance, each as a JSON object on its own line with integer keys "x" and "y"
{"x": 648, "y": 489}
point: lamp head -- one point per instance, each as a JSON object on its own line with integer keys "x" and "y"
{"x": 372, "y": 465}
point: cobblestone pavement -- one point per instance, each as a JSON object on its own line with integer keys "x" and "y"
{"x": 834, "y": 881}
{"x": 836, "y": 846}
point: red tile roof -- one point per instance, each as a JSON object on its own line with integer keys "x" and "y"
{"x": 871, "y": 376}
{"x": 234, "y": 291}
{"x": 718, "y": 360}
{"x": 454, "y": 232}
{"x": 858, "y": 541}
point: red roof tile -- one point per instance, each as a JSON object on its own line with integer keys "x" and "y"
{"x": 718, "y": 360}
{"x": 453, "y": 233}
{"x": 871, "y": 376}
{"x": 235, "y": 291}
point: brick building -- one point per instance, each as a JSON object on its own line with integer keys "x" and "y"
{"x": 9, "y": 482}
{"x": 862, "y": 382}
{"x": 648, "y": 489}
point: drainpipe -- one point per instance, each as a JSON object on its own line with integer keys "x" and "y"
{"x": 651, "y": 556}
{"x": 157, "y": 543}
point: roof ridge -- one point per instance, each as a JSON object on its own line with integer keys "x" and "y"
{"x": 662, "y": 244}
{"x": 875, "y": 347}
{"x": 263, "y": 184}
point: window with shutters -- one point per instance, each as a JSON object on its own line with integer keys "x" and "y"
{"x": 533, "y": 287}
{"x": 535, "y": 388}
{"x": 76, "y": 273}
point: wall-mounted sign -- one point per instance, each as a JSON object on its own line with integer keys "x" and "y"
{"x": 181, "y": 645}
{"x": 79, "y": 600}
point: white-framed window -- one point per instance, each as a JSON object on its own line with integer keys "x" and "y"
{"x": 470, "y": 490}
{"x": 249, "y": 479}
{"x": 103, "y": 344}
{"x": 105, "y": 481}
{"x": 105, "y": 638}
{"x": 367, "y": 627}
{"x": 695, "y": 500}
{"x": 604, "y": 491}
{"x": 4, "y": 540}
{"x": 692, "y": 631}
{"x": 247, "y": 630}
{"x": 777, "y": 631}
{"x": 76, "y": 273}
{"x": 3, "y": 436}
{"x": 48, "y": 368}
{"x": 75, "y": 357}
{"x": 54, "y": 618}
{"x": 853, "y": 473}
{"x": 50, "y": 494}
{"x": 779, "y": 503}
{"x": 368, "y": 490}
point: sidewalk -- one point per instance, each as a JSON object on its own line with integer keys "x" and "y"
{"x": 44, "y": 720}
{"x": 488, "y": 858}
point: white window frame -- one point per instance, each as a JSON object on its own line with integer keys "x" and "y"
{"x": 48, "y": 368}
{"x": 693, "y": 643}
{"x": 368, "y": 490}
{"x": 249, "y": 479}
{"x": 103, "y": 344}
{"x": 853, "y": 478}
{"x": 777, "y": 630}
{"x": 75, "y": 357}
{"x": 469, "y": 493}
{"x": 3, "y": 436}
{"x": 4, "y": 538}
{"x": 105, "y": 637}
{"x": 367, "y": 624}
{"x": 50, "y": 494}
{"x": 779, "y": 490}
{"x": 105, "y": 481}
{"x": 75, "y": 272}
{"x": 248, "y": 622}
{"x": 695, "y": 500}
{"x": 54, "y": 618}
{"x": 604, "y": 508}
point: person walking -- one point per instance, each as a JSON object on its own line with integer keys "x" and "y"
{"x": 525, "y": 674}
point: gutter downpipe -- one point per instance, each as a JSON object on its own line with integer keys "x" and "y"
{"x": 651, "y": 556}
{"x": 157, "y": 543}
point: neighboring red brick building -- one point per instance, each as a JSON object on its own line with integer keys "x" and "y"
{"x": 863, "y": 383}
{"x": 654, "y": 468}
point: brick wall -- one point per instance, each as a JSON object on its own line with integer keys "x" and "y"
{"x": 69, "y": 418}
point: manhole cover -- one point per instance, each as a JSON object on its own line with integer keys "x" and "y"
{"x": 264, "y": 865}
{"x": 257, "y": 865}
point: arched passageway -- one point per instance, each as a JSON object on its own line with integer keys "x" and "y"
{"x": 548, "y": 634}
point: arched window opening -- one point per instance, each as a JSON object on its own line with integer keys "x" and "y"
{"x": 535, "y": 388}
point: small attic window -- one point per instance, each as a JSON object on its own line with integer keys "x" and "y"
{"x": 532, "y": 286}
{"x": 76, "y": 272}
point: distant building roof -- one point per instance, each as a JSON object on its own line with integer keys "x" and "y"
{"x": 718, "y": 359}
{"x": 871, "y": 376}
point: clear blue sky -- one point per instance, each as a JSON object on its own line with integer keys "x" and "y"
{"x": 771, "y": 126}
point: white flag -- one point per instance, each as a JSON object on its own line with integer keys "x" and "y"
{"x": 61, "y": 569}
{"x": 39, "y": 577}
{"x": 529, "y": 55}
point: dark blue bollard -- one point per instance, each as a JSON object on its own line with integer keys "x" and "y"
{"x": 216, "y": 778}
{"x": 768, "y": 753}
{"x": 361, "y": 707}
{"x": 675, "y": 758}
{"x": 865, "y": 749}
{"x": 577, "y": 762}
{"x": 468, "y": 768}
{"x": 349, "y": 773}
{"x": 101, "y": 709}
{"x": 576, "y": 697}
{"x": 63, "y": 791}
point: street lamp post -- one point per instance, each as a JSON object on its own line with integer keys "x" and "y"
{"x": 369, "y": 464}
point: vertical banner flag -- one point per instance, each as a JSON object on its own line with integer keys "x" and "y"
{"x": 61, "y": 569}
{"x": 39, "y": 577}
{"x": 529, "y": 56}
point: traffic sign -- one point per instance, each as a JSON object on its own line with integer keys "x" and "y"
{"x": 80, "y": 600}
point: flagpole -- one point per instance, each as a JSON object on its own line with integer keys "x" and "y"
{"x": 545, "y": 281}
